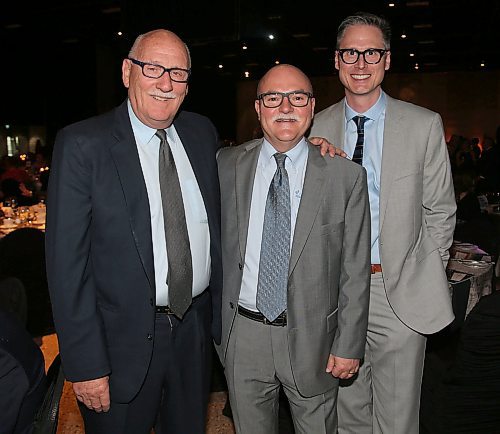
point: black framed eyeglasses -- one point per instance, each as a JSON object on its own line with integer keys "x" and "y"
{"x": 274, "y": 99}
{"x": 371, "y": 55}
{"x": 151, "y": 70}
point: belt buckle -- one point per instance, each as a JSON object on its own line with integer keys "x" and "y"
{"x": 164, "y": 310}
{"x": 280, "y": 321}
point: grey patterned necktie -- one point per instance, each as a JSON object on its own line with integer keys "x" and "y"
{"x": 357, "y": 156}
{"x": 180, "y": 267}
{"x": 275, "y": 247}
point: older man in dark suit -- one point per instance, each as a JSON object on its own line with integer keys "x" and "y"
{"x": 133, "y": 251}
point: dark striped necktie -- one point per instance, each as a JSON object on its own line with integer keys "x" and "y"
{"x": 357, "y": 156}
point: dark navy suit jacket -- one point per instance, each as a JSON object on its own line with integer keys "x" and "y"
{"x": 99, "y": 246}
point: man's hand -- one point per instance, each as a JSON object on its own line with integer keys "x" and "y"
{"x": 326, "y": 147}
{"x": 94, "y": 394}
{"x": 342, "y": 368}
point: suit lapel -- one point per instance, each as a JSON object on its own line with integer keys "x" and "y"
{"x": 392, "y": 153}
{"x": 246, "y": 165}
{"x": 312, "y": 196}
{"x": 126, "y": 159}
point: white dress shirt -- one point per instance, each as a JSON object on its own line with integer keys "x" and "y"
{"x": 295, "y": 165}
{"x": 148, "y": 147}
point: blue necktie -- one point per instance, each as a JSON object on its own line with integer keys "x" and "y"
{"x": 275, "y": 248}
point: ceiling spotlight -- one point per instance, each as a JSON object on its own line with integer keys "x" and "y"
{"x": 247, "y": 74}
{"x": 277, "y": 62}
{"x": 483, "y": 64}
{"x": 244, "y": 47}
{"x": 221, "y": 66}
{"x": 403, "y": 35}
{"x": 391, "y": 5}
{"x": 120, "y": 33}
{"x": 412, "y": 54}
{"x": 416, "y": 66}
{"x": 270, "y": 36}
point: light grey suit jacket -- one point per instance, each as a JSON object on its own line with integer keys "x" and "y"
{"x": 328, "y": 285}
{"x": 417, "y": 210}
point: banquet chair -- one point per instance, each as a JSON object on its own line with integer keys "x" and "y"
{"x": 47, "y": 417}
{"x": 22, "y": 255}
{"x": 13, "y": 298}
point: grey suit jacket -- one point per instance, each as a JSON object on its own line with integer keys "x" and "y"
{"x": 417, "y": 210}
{"x": 328, "y": 285}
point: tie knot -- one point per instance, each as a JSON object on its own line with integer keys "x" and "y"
{"x": 280, "y": 159}
{"x": 162, "y": 135}
{"x": 360, "y": 121}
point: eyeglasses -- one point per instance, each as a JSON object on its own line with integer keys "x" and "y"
{"x": 152, "y": 70}
{"x": 274, "y": 99}
{"x": 370, "y": 56}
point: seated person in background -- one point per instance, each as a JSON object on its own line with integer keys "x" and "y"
{"x": 22, "y": 370}
{"x": 12, "y": 188}
{"x": 465, "y": 192}
{"x": 473, "y": 226}
{"x": 13, "y": 170}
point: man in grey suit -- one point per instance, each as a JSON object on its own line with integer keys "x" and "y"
{"x": 295, "y": 244}
{"x": 412, "y": 206}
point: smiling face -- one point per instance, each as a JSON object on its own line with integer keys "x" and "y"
{"x": 285, "y": 125}
{"x": 155, "y": 101}
{"x": 362, "y": 80}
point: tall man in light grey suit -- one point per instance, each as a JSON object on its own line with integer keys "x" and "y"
{"x": 296, "y": 265}
{"x": 412, "y": 206}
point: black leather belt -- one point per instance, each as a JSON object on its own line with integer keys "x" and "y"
{"x": 168, "y": 311}
{"x": 257, "y": 316}
{"x": 164, "y": 309}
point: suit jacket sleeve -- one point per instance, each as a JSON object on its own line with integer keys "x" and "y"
{"x": 354, "y": 285}
{"x": 438, "y": 194}
{"x": 69, "y": 268}
{"x": 13, "y": 386}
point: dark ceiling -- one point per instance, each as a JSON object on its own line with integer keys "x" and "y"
{"x": 61, "y": 58}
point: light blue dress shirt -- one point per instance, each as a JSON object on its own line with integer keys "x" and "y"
{"x": 148, "y": 147}
{"x": 295, "y": 165}
{"x": 372, "y": 159}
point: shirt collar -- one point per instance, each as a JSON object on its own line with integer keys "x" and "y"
{"x": 295, "y": 154}
{"x": 372, "y": 113}
{"x": 143, "y": 133}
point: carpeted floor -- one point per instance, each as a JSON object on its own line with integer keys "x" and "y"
{"x": 70, "y": 421}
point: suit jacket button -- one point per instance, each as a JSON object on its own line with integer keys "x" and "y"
{"x": 151, "y": 302}
{"x": 150, "y": 337}
{"x": 240, "y": 266}
{"x": 231, "y": 305}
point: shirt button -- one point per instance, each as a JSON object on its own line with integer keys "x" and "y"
{"x": 150, "y": 337}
